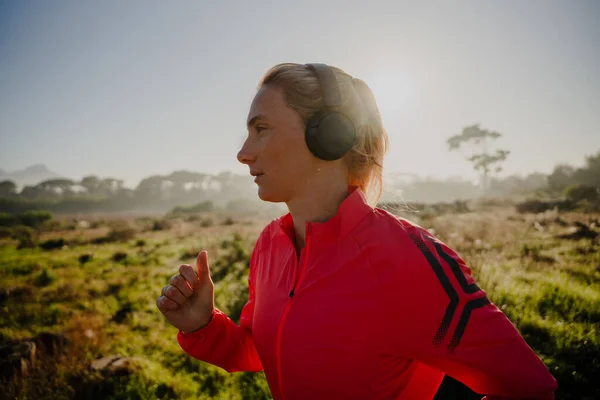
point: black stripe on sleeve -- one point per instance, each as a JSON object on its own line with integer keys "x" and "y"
{"x": 445, "y": 282}
{"x": 460, "y": 277}
{"x": 464, "y": 320}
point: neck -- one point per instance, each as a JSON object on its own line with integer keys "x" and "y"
{"x": 318, "y": 204}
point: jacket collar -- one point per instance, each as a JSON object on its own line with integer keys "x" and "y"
{"x": 353, "y": 209}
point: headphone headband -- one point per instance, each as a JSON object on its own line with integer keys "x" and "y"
{"x": 328, "y": 83}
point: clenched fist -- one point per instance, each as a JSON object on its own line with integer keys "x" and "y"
{"x": 188, "y": 301}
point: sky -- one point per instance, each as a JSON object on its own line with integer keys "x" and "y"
{"x": 137, "y": 88}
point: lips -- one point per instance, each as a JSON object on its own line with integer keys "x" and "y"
{"x": 256, "y": 175}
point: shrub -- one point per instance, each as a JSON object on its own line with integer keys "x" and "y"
{"x": 539, "y": 206}
{"x": 52, "y": 244}
{"x": 190, "y": 253}
{"x": 161, "y": 224}
{"x": 97, "y": 223}
{"x": 24, "y": 269}
{"x": 35, "y": 218}
{"x": 84, "y": 258}
{"x": 204, "y": 206}
{"x": 5, "y": 232}
{"x": 206, "y": 222}
{"x": 119, "y": 256}
{"x": 228, "y": 221}
{"x": 119, "y": 233}
{"x": 8, "y": 219}
{"x": 578, "y": 193}
{"x": 25, "y": 236}
{"x": 45, "y": 278}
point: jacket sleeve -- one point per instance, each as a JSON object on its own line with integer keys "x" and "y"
{"x": 436, "y": 314}
{"x": 222, "y": 342}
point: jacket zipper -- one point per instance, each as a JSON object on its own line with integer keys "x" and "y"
{"x": 298, "y": 279}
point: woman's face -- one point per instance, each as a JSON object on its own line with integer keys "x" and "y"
{"x": 276, "y": 149}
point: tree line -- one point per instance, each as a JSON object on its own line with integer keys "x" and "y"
{"x": 160, "y": 193}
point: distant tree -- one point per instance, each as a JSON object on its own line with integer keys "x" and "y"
{"x": 8, "y": 188}
{"x": 151, "y": 187}
{"x": 112, "y": 186}
{"x": 31, "y": 192}
{"x": 589, "y": 175}
{"x": 183, "y": 184}
{"x": 56, "y": 187}
{"x": 535, "y": 181}
{"x": 560, "y": 178}
{"x": 484, "y": 162}
{"x": 91, "y": 183}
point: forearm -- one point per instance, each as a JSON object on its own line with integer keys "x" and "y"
{"x": 222, "y": 343}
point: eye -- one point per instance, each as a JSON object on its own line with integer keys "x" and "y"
{"x": 260, "y": 128}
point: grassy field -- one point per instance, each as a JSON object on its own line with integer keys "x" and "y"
{"x": 82, "y": 290}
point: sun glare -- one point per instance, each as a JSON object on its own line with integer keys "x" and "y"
{"x": 393, "y": 92}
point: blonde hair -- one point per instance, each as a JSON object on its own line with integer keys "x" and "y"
{"x": 303, "y": 94}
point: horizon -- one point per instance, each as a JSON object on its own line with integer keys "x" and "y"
{"x": 409, "y": 177}
{"x": 129, "y": 90}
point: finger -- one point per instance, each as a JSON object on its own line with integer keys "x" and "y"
{"x": 189, "y": 274}
{"x": 165, "y": 304}
{"x": 174, "y": 294}
{"x": 180, "y": 283}
{"x": 202, "y": 265}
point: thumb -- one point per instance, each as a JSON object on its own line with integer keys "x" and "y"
{"x": 202, "y": 265}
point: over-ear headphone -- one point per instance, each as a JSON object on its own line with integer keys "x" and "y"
{"x": 329, "y": 133}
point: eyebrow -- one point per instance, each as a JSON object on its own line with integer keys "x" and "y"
{"x": 254, "y": 119}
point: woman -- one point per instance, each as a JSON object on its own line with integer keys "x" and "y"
{"x": 345, "y": 300}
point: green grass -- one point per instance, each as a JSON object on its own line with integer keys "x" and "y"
{"x": 113, "y": 299}
{"x": 105, "y": 304}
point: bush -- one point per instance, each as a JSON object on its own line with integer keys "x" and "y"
{"x": 35, "y": 218}
{"x": 578, "y": 193}
{"x": 97, "y": 223}
{"x": 206, "y": 222}
{"x": 119, "y": 256}
{"x": 7, "y": 220}
{"x": 204, "y": 206}
{"x": 71, "y": 225}
{"x": 25, "y": 236}
{"x": 45, "y": 278}
{"x": 52, "y": 244}
{"x": 192, "y": 218}
{"x": 228, "y": 221}
{"x": 186, "y": 255}
{"x": 5, "y": 232}
{"x": 119, "y": 233}
{"x": 161, "y": 224}
{"x": 84, "y": 258}
{"x": 24, "y": 268}
{"x": 539, "y": 206}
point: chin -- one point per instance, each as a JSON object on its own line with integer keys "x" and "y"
{"x": 269, "y": 195}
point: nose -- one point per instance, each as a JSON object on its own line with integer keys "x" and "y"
{"x": 246, "y": 155}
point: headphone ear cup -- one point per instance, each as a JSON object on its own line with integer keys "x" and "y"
{"x": 330, "y": 135}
